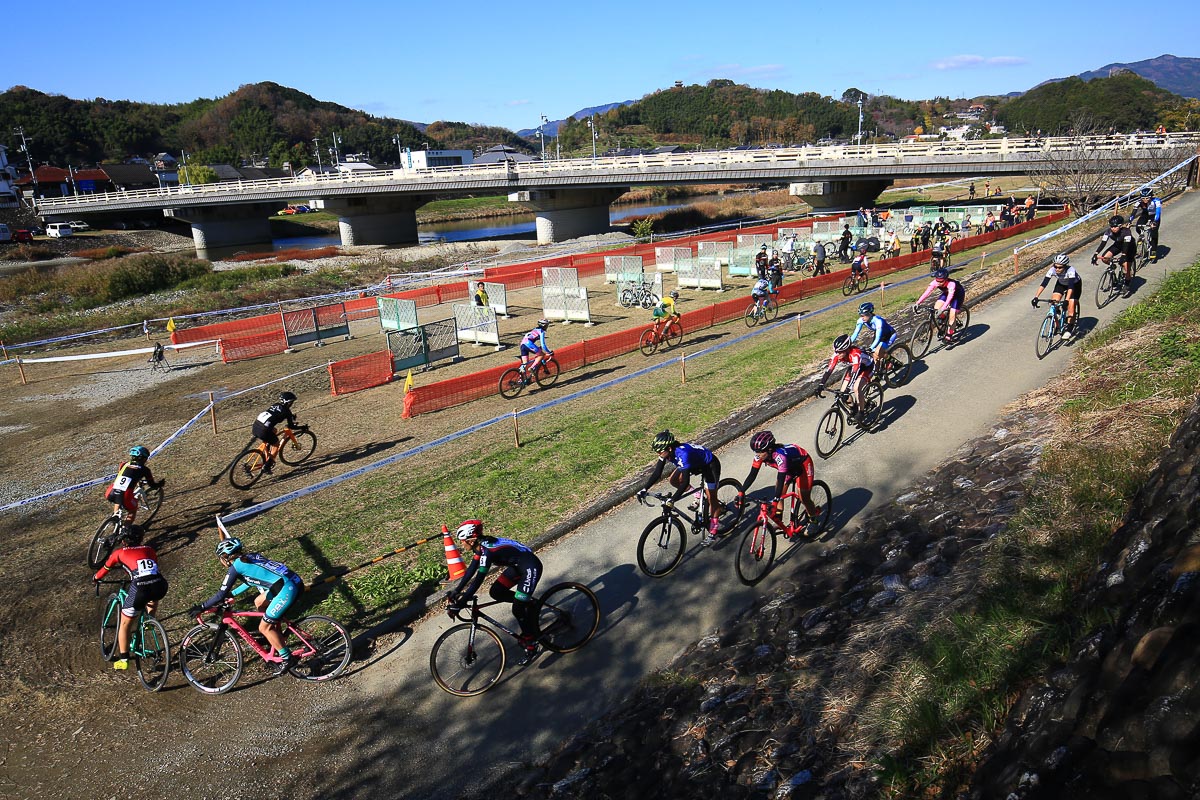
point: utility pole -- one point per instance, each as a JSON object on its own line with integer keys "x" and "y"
{"x": 317, "y": 145}
{"x": 337, "y": 159}
{"x": 595, "y": 134}
{"x": 20, "y": 131}
{"x": 859, "y": 140}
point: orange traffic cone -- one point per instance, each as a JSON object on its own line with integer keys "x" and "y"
{"x": 453, "y": 560}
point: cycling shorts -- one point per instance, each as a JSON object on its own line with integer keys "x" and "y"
{"x": 711, "y": 474}
{"x": 142, "y": 592}
{"x": 265, "y": 433}
{"x": 886, "y": 343}
{"x": 526, "y": 350}
{"x": 660, "y": 313}
{"x": 517, "y": 583}
{"x": 280, "y": 596}
{"x": 1061, "y": 289}
{"x": 804, "y": 478}
{"x": 127, "y": 499}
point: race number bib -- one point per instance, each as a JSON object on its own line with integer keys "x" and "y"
{"x": 146, "y": 567}
{"x": 265, "y": 418}
{"x": 122, "y": 483}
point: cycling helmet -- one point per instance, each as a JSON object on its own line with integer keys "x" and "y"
{"x": 866, "y": 308}
{"x": 764, "y": 247}
{"x": 862, "y": 247}
{"x": 674, "y": 295}
{"x": 132, "y": 535}
{"x": 229, "y": 547}
{"x": 470, "y": 529}
{"x": 762, "y": 441}
{"x": 543, "y": 323}
{"x": 1116, "y": 221}
{"x": 664, "y": 440}
{"x": 941, "y": 274}
{"x": 138, "y": 454}
{"x": 1146, "y": 191}
{"x": 287, "y": 398}
{"x": 1061, "y": 260}
{"x": 841, "y": 344}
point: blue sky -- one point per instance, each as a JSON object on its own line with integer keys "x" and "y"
{"x": 503, "y": 64}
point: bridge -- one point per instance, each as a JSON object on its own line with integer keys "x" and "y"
{"x": 570, "y": 197}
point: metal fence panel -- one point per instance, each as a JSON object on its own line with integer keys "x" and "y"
{"x": 476, "y": 324}
{"x": 560, "y": 277}
{"x": 616, "y": 266}
{"x": 665, "y": 257}
{"x": 397, "y": 314}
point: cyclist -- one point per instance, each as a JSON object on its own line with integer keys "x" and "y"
{"x": 665, "y": 312}
{"x": 761, "y": 260}
{"x": 146, "y": 585}
{"x": 941, "y": 228}
{"x": 534, "y": 344}
{"x": 938, "y": 256}
{"x": 277, "y": 587}
{"x": 129, "y": 474}
{"x": 1067, "y": 284}
{"x": 689, "y": 460}
{"x": 760, "y": 292}
{"x": 861, "y": 263}
{"x": 951, "y": 297}
{"x": 856, "y": 377}
{"x": 1118, "y": 242}
{"x": 516, "y": 584}
{"x": 885, "y": 334}
{"x": 794, "y": 466}
{"x": 266, "y": 422}
{"x": 1148, "y": 211}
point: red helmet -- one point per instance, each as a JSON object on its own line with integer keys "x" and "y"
{"x": 470, "y": 529}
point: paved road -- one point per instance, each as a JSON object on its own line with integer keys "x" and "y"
{"x": 410, "y": 739}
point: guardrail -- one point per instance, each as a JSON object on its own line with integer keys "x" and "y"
{"x": 641, "y": 166}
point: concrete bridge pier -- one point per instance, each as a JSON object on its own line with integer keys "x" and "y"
{"x": 226, "y": 225}
{"x": 840, "y": 193}
{"x": 376, "y": 220}
{"x": 562, "y": 214}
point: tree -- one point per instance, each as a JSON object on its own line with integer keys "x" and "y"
{"x": 1080, "y": 173}
{"x": 852, "y": 96}
{"x": 196, "y": 173}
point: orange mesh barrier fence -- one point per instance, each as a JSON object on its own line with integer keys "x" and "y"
{"x": 454, "y": 391}
{"x": 360, "y": 372}
{"x": 330, "y": 316}
{"x": 233, "y": 328}
{"x": 238, "y": 348}
{"x": 611, "y": 345}
{"x": 362, "y": 308}
{"x": 526, "y": 279}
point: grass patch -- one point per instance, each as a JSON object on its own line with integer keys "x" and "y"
{"x": 105, "y": 253}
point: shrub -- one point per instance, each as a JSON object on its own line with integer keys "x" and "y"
{"x": 152, "y": 272}
{"x": 104, "y": 253}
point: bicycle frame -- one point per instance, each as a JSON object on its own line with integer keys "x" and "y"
{"x": 477, "y": 614}
{"x": 228, "y": 619}
{"x": 696, "y": 518}
{"x": 136, "y": 645}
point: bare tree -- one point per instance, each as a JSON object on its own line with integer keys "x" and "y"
{"x": 1082, "y": 172}
{"x": 1158, "y": 158}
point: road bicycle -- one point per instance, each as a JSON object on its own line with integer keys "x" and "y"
{"x": 936, "y": 325}
{"x": 669, "y": 335}
{"x": 210, "y": 654}
{"x": 149, "y": 501}
{"x": 833, "y": 422}
{"x": 1050, "y": 334}
{"x": 893, "y": 367}
{"x": 641, "y": 295}
{"x": 295, "y": 446}
{"x": 1145, "y": 248}
{"x": 1111, "y": 284}
{"x": 515, "y": 379}
{"x": 469, "y": 658}
{"x": 662, "y": 543}
{"x": 158, "y": 360}
{"x": 148, "y": 645}
{"x": 856, "y": 281}
{"x": 763, "y": 311}
{"x": 756, "y": 553}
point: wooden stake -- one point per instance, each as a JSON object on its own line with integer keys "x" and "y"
{"x": 1016, "y": 268}
{"x": 212, "y": 412}
{"x": 21, "y": 367}
{"x": 4, "y": 350}
{"x": 881, "y": 285}
{"x": 516, "y": 429}
{"x": 683, "y": 369}
{"x": 798, "y": 327}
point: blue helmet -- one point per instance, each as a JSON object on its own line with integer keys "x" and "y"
{"x": 1146, "y": 191}
{"x": 866, "y": 308}
{"x": 229, "y": 547}
{"x": 139, "y": 454}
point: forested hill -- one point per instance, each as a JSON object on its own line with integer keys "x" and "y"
{"x": 258, "y": 121}
{"x": 1125, "y": 101}
{"x": 1179, "y": 75}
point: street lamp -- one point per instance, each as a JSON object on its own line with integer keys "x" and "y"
{"x": 859, "y": 141}
{"x": 317, "y": 145}
{"x": 542, "y": 135}
{"x": 595, "y": 134}
{"x": 337, "y": 140}
{"x": 399, "y": 150}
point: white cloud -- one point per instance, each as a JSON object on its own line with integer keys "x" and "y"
{"x": 972, "y": 61}
{"x": 515, "y": 103}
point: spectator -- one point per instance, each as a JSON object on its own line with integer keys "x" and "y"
{"x": 481, "y": 297}
{"x": 966, "y": 224}
{"x": 1030, "y": 208}
{"x": 926, "y": 234}
{"x": 971, "y": 191}
{"x": 987, "y": 188}
{"x": 893, "y": 243}
{"x": 861, "y": 218}
{"x": 914, "y": 240}
{"x": 844, "y": 244}
{"x": 819, "y": 256}
{"x": 989, "y": 222}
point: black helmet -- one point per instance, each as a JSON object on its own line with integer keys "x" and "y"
{"x": 663, "y": 440}
{"x": 287, "y": 398}
{"x": 1116, "y": 221}
{"x": 132, "y": 535}
{"x": 841, "y": 344}
{"x": 674, "y": 295}
{"x": 941, "y": 274}
{"x": 1146, "y": 191}
{"x": 866, "y": 308}
{"x": 543, "y": 323}
{"x": 762, "y": 441}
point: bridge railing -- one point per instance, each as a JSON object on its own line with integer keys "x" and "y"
{"x": 520, "y": 173}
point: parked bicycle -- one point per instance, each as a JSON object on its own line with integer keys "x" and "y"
{"x": 756, "y": 553}
{"x": 149, "y": 500}
{"x": 832, "y": 426}
{"x": 669, "y": 335}
{"x": 856, "y": 282}
{"x": 662, "y": 543}
{"x": 469, "y": 658}
{"x": 210, "y": 654}
{"x": 295, "y": 446}
{"x": 1111, "y": 283}
{"x": 935, "y": 327}
{"x": 148, "y": 645}
{"x": 639, "y": 295}
{"x": 158, "y": 359}
{"x": 515, "y": 379}
{"x": 764, "y": 311}
{"x": 1050, "y": 335}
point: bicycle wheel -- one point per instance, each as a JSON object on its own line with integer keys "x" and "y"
{"x": 626, "y": 299}
{"x": 962, "y": 320}
{"x": 1106, "y": 288}
{"x": 326, "y": 651}
{"x": 730, "y": 511}
{"x": 547, "y": 374}
{"x": 568, "y": 617}
{"x": 849, "y": 286}
{"x": 674, "y": 335}
{"x": 751, "y": 316}
{"x": 293, "y": 453}
{"x": 649, "y": 300}
{"x": 149, "y": 501}
{"x": 661, "y": 546}
{"x": 755, "y": 554}
{"x": 896, "y": 365}
{"x": 822, "y": 499}
{"x": 103, "y": 542}
{"x": 872, "y": 406}
{"x": 1045, "y": 339}
{"x": 648, "y": 342}
{"x": 829, "y": 432}
{"x": 211, "y": 660}
{"x": 770, "y": 310}
{"x": 807, "y": 267}
{"x": 110, "y": 618}
{"x": 467, "y": 660}
{"x": 1143, "y": 255}
{"x": 922, "y": 336}
{"x": 511, "y": 383}
{"x": 248, "y": 468}
{"x": 152, "y": 653}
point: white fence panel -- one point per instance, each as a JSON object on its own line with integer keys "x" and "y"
{"x": 566, "y": 304}
{"x": 497, "y": 297}
{"x": 697, "y": 274}
{"x": 719, "y": 252}
{"x": 476, "y": 324}
{"x": 665, "y": 257}
{"x": 560, "y": 277}
{"x": 396, "y": 314}
{"x": 617, "y": 266}
{"x": 654, "y": 279}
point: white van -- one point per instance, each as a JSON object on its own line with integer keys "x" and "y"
{"x": 57, "y": 230}
{"x": 5, "y": 233}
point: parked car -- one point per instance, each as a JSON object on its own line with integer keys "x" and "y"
{"x": 286, "y": 212}
{"x": 5, "y": 235}
{"x": 22, "y": 235}
{"x": 59, "y": 230}
{"x": 302, "y": 209}
{"x": 79, "y": 226}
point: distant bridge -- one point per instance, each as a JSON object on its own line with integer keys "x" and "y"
{"x": 570, "y": 197}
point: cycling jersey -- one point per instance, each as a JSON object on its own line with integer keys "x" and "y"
{"x": 264, "y": 423}
{"x": 790, "y": 461}
{"x": 128, "y": 477}
{"x": 271, "y": 578}
{"x": 1119, "y": 243}
{"x": 761, "y": 287}
{"x": 692, "y": 460}
{"x": 535, "y": 342}
{"x": 760, "y": 263}
{"x": 861, "y": 263}
{"x": 508, "y": 553}
{"x": 1148, "y": 210}
{"x": 860, "y": 361}
{"x": 951, "y": 294}
{"x": 665, "y": 308}
{"x": 1068, "y": 280}
{"x": 885, "y": 334}
{"x": 146, "y": 583}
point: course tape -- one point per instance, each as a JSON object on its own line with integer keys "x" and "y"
{"x": 113, "y": 354}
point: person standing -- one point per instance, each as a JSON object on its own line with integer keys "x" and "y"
{"x": 971, "y": 191}
{"x": 819, "y": 256}
{"x": 481, "y": 295}
{"x": 844, "y": 244}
